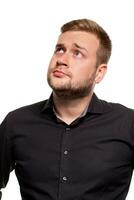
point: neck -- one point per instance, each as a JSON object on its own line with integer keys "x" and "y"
{"x": 68, "y": 110}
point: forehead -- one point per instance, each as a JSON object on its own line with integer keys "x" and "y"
{"x": 82, "y": 38}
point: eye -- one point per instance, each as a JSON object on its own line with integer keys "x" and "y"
{"x": 60, "y": 50}
{"x": 78, "y": 54}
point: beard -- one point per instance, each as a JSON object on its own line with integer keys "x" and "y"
{"x": 69, "y": 90}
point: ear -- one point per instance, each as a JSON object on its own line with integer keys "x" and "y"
{"x": 100, "y": 73}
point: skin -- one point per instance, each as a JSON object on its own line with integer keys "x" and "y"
{"x": 72, "y": 73}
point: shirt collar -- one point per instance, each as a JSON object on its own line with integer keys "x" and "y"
{"x": 48, "y": 103}
{"x": 95, "y": 106}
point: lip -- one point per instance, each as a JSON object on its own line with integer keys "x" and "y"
{"x": 58, "y": 73}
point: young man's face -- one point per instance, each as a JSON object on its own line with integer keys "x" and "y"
{"x": 72, "y": 69}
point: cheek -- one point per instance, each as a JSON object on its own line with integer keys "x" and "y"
{"x": 83, "y": 74}
{"x": 81, "y": 71}
{"x": 51, "y": 64}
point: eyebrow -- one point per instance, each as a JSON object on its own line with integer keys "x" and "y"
{"x": 79, "y": 47}
{"x": 75, "y": 44}
{"x": 59, "y": 45}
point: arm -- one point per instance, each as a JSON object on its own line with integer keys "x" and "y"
{"x": 6, "y": 158}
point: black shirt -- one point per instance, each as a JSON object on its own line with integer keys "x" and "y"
{"x": 90, "y": 159}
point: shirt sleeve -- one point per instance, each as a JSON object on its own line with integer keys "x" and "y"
{"x": 6, "y": 155}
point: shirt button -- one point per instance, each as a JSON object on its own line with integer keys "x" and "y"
{"x": 67, "y": 129}
{"x": 64, "y": 178}
{"x": 66, "y": 152}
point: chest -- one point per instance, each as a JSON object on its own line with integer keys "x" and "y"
{"x": 83, "y": 153}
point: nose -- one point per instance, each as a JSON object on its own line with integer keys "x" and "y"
{"x": 62, "y": 60}
{"x": 61, "y": 63}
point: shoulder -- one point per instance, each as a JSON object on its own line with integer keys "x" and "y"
{"x": 102, "y": 106}
{"x": 26, "y": 111}
{"x": 118, "y": 108}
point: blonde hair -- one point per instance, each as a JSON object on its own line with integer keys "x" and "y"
{"x": 105, "y": 46}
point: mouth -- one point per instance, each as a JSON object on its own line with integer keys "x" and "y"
{"x": 59, "y": 73}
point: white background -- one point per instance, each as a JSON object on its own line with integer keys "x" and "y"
{"x": 28, "y": 33}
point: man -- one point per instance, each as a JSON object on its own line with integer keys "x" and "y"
{"x": 72, "y": 146}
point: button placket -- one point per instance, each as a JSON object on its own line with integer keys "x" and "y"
{"x": 64, "y": 176}
{"x": 67, "y": 131}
